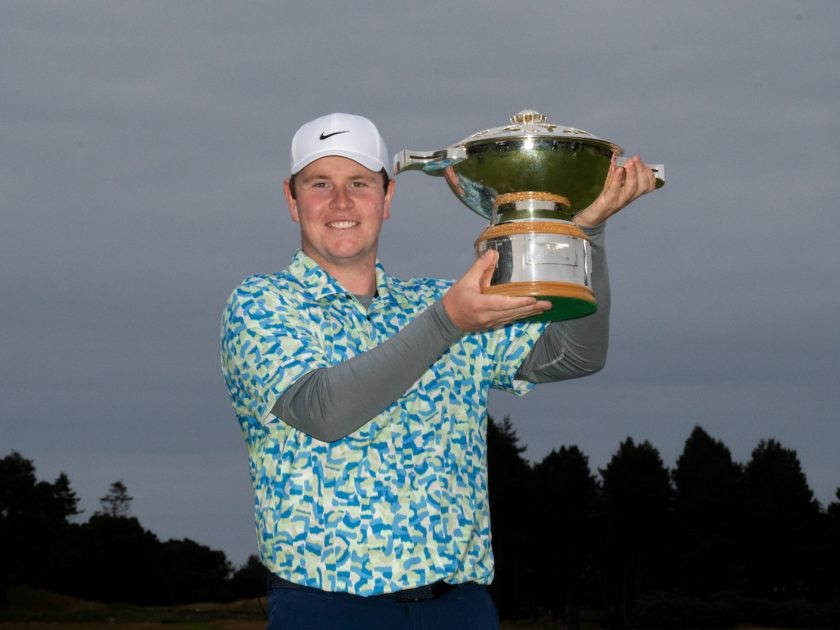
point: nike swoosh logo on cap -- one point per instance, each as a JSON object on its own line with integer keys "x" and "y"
{"x": 324, "y": 136}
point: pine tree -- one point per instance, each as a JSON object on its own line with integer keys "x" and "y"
{"x": 116, "y": 503}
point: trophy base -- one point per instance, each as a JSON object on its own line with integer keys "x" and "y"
{"x": 568, "y": 300}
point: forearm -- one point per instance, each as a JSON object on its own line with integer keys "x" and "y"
{"x": 331, "y": 403}
{"x": 569, "y": 349}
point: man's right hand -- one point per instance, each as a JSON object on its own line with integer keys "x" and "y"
{"x": 471, "y": 310}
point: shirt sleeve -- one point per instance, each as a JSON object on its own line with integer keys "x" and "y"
{"x": 507, "y": 348}
{"x": 266, "y": 347}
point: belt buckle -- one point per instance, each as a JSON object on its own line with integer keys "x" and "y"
{"x": 416, "y": 594}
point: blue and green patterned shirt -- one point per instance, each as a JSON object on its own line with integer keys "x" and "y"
{"x": 401, "y": 502}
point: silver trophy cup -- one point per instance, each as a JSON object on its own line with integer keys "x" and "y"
{"x": 530, "y": 178}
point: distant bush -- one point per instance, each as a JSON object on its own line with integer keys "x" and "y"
{"x": 727, "y": 610}
{"x": 668, "y": 610}
{"x": 249, "y": 580}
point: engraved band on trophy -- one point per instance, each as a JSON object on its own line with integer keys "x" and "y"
{"x": 530, "y": 178}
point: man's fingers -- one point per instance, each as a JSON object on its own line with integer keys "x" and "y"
{"x": 512, "y": 315}
{"x": 501, "y": 303}
{"x": 642, "y": 178}
{"x": 490, "y": 257}
{"x": 502, "y": 309}
{"x": 471, "y": 310}
{"x": 623, "y": 185}
{"x": 481, "y": 265}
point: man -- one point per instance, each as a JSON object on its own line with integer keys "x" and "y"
{"x": 363, "y": 398}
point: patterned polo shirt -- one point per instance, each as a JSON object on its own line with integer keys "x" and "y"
{"x": 402, "y": 501}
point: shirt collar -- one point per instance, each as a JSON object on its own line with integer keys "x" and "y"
{"x": 321, "y": 285}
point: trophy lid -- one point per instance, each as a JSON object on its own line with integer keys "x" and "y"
{"x": 530, "y": 123}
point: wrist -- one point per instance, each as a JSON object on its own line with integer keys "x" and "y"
{"x": 447, "y": 310}
{"x": 591, "y": 216}
{"x": 588, "y": 223}
{"x": 446, "y": 326}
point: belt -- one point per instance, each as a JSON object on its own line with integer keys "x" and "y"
{"x": 417, "y": 594}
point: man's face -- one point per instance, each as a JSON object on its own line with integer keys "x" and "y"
{"x": 340, "y": 206}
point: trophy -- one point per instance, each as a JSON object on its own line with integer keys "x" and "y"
{"x": 530, "y": 178}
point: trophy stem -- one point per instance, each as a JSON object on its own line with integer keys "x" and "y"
{"x": 532, "y": 205}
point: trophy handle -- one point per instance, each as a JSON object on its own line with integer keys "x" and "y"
{"x": 430, "y": 162}
{"x": 658, "y": 170}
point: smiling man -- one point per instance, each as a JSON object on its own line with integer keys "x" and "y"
{"x": 340, "y": 206}
{"x": 363, "y": 398}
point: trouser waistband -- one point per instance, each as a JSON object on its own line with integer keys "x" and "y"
{"x": 417, "y": 594}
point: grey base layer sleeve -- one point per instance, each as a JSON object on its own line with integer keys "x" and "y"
{"x": 326, "y": 404}
{"x": 576, "y": 347}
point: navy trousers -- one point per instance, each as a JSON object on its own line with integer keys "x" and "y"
{"x": 465, "y": 607}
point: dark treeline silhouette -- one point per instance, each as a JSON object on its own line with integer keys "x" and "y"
{"x": 710, "y": 543}
{"x": 110, "y": 557}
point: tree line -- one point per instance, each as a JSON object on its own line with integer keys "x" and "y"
{"x": 111, "y": 557}
{"x": 710, "y": 542}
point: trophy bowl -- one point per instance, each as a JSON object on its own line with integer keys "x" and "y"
{"x": 529, "y": 179}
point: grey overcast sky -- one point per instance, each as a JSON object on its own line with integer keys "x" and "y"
{"x": 142, "y": 150}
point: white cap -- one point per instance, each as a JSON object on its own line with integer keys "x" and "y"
{"x": 346, "y": 135}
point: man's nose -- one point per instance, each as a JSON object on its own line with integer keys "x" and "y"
{"x": 341, "y": 198}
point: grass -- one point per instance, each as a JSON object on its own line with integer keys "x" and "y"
{"x": 32, "y": 609}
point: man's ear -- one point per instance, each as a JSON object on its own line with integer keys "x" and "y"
{"x": 389, "y": 195}
{"x": 290, "y": 201}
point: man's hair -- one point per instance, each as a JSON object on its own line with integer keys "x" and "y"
{"x": 383, "y": 172}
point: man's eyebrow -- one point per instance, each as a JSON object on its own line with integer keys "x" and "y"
{"x": 310, "y": 176}
{"x": 326, "y": 176}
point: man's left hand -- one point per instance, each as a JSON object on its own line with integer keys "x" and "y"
{"x": 624, "y": 184}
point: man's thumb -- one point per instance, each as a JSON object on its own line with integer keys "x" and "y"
{"x": 483, "y": 268}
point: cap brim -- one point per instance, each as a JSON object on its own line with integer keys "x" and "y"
{"x": 368, "y": 162}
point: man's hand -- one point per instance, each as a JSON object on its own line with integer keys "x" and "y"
{"x": 623, "y": 185}
{"x": 471, "y": 310}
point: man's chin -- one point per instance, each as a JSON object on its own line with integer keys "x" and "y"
{"x": 343, "y": 257}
